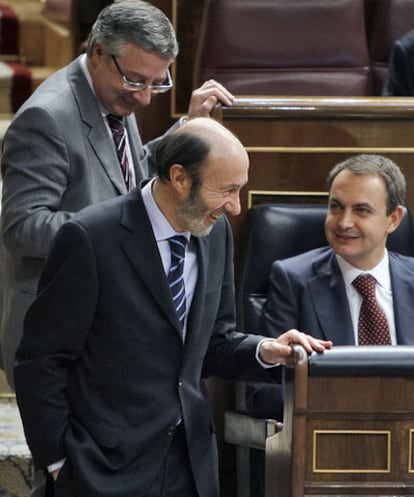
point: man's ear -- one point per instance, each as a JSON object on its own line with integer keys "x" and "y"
{"x": 395, "y": 218}
{"x": 97, "y": 52}
{"x": 179, "y": 179}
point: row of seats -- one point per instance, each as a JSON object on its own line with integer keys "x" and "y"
{"x": 36, "y": 39}
{"x": 300, "y": 47}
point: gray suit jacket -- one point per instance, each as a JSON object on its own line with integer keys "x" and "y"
{"x": 58, "y": 157}
{"x": 103, "y": 378}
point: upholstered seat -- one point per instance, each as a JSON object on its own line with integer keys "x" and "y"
{"x": 285, "y": 47}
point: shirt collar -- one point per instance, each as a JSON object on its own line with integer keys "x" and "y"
{"x": 380, "y": 272}
{"x": 84, "y": 67}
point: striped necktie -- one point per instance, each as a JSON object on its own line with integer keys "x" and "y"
{"x": 373, "y": 326}
{"x": 119, "y": 135}
{"x": 178, "y": 245}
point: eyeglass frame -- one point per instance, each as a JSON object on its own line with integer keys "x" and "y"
{"x": 138, "y": 86}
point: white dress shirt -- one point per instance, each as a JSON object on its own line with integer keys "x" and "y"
{"x": 383, "y": 292}
{"x": 163, "y": 231}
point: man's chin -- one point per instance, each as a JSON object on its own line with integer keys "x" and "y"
{"x": 201, "y": 230}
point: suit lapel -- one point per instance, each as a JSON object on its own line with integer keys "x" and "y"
{"x": 330, "y": 301}
{"x": 402, "y": 277}
{"x": 140, "y": 247}
{"x": 96, "y": 130}
{"x": 196, "y": 310}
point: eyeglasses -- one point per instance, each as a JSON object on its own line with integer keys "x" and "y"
{"x": 138, "y": 86}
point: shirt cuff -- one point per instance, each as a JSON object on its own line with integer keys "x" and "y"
{"x": 57, "y": 465}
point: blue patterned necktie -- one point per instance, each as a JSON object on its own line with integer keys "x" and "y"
{"x": 373, "y": 326}
{"x": 178, "y": 245}
{"x": 119, "y": 135}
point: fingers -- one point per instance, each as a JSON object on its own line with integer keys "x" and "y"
{"x": 308, "y": 342}
{"x": 212, "y": 87}
{"x": 279, "y": 350}
{"x": 204, "y": 99}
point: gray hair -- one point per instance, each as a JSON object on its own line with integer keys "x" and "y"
{"x": 137, "y": 22}
{"x": 366, "y": 164}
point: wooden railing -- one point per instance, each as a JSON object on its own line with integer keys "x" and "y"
{"x": 294, "y": 142}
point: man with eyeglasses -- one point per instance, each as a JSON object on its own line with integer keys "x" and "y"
{"x": 59, "y": 154}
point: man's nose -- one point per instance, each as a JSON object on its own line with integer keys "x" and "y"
{"x": 143, "y": 97}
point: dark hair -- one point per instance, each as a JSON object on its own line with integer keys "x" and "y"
{"x": 383, "y": 167}
{"x": 133, "y": 21}
{"x": 185, "y": 148}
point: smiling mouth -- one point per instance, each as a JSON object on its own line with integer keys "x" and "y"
{"x": 215, "y": 215}
{"x": 346, "y": 236}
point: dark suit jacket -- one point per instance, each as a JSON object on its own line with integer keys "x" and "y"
{"x": 58, "y": 158}
{"x": 307, "y": 292}
{"x": 101, "y": 371}
{"x": 400, "y": 79}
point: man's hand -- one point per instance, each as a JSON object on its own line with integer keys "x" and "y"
{"x": 205, "y": 98}
{"x": 279, "y": 350}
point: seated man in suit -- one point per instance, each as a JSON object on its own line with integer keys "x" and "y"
{"x": 400, "y": 78}
{"x": 314, "y": 291}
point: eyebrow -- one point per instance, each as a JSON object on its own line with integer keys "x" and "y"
{"x": 358, "y": 204}
{"x": 234, "y": 185}
{"x": 141, "y": 78}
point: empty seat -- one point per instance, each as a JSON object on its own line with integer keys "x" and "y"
{"x": 285, "y": 47}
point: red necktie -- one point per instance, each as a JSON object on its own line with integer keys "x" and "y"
{"x": 119, "y": 134}
{"x": 372, "y": 324}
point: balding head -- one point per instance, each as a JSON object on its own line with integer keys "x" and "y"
{"x": 194, "y": 144}
{"x": 201, "y": 168}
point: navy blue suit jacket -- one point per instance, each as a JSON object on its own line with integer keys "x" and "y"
{"x": 102, "y": 374}
{"x": 307, "y": 292}
{"x": 400, "y": 79}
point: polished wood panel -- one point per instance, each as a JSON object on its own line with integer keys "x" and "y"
{"x": 294, "y": 142}
{"x": 344, "y": 434}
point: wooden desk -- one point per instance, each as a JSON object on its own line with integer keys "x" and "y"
{"x": 348, "y": 425}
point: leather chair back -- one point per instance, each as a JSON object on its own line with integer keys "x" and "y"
{"x": 285, "y": 47}
{"x": 277, "y": 231}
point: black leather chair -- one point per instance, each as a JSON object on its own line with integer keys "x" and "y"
{"x": 277, "y": 231}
